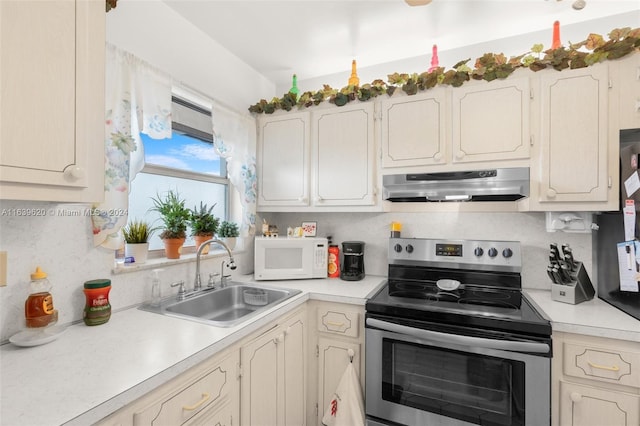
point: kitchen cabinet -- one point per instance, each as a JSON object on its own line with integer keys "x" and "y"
{"x": 273, "y": 382}
{"x": 339, "y": 332}
{"x": 284, "y": 160}
{"x": 206, "y": 394}
{"x": 318, "y": 161}
{"x": 576, "y": 162}
{"x": 491, "y": 121}
{"x": 595, "y": 381}
{"x": 413, "y": 130}
{"x": 627, "y": 84}
{"x": 52, "y": 104}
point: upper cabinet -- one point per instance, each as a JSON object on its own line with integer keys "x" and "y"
{"x": 627, "y": 75}
{"x": 413, "y": 131}
{"x": 322, "y": 160}
{"x": 283, "y": 158}
{"x": 490, "y": 121}
{"x": 52, "y": 104}
{"x": 576, "y": 163}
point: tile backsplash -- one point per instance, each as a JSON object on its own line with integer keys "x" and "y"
{"x": 63, "y": 247}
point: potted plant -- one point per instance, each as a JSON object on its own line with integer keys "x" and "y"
{"x": 136, "y": 237}
{"x": 174, "y": 216}
{"x": 228, "y": 232}
{"x": 203, "y": 224}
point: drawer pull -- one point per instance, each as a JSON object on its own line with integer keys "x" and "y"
{"x": 603, "y": 367}
{"x": 335, "y": 324}
{"x": 576, "y": 397}
{"x": 205, "y": 398}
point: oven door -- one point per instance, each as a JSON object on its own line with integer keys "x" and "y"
{"x": 416, "y": 376}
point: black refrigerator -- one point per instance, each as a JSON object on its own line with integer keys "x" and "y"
{"x": 610, "y": 233}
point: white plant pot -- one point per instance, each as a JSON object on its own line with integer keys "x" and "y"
{"x": 230, "y": 242}
{"x": 138, "y": 251}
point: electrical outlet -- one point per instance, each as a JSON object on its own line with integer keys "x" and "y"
{"x": 3, "y": 268}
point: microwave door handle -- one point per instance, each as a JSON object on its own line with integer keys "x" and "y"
{"x": 459, "y": 340}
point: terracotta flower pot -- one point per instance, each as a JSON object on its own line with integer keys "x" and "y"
{"x": 173, "y": 247}
{"x": 199, "y": 239}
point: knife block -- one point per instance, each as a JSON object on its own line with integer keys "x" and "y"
{"x": 577, "y": 291}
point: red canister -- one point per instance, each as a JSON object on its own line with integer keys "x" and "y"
{"x": 97, "y": 309}
{"x": 333, "y": 268}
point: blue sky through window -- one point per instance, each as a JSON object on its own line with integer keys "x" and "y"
{"x": 182, "y": 152}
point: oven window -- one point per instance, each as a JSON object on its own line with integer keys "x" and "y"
{"x": 476, "y": 388}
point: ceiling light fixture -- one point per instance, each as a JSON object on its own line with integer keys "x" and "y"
{"x": 417, "y": 2}
{"x": 579, "y": 4}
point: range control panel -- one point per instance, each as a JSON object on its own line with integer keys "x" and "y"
{"x": 467, "y": 254}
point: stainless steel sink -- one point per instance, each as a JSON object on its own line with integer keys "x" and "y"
{"x": 223, "y": 307}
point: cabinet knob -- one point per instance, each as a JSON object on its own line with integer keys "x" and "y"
{"x": 319, "y": 199}
{"x": 637, "y": 106}
{"x": 460, "y": 155}
{"x": 74, "y": 172}
{"x": 437, "y": 156}
{"x": 576, "y": 397}
{"x": 302, "y": 199}
{"x": 279, "y": 339}
{"x": 287, "y": 331}
{"x": 551, "y": 193}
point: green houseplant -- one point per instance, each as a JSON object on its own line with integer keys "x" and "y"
{"x": 174, "y": 216}
{"x": 203, "y": 224}
{"x": 136, "y": 237}
{"x": 228, "y": 232}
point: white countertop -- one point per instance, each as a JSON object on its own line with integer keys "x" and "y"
{"x": 593, "y": 317}
{"x": 90, "y": 372}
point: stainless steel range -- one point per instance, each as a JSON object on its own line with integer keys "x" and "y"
{"x": 452, "y": 340}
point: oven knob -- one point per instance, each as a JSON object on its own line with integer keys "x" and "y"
{"x": 507, "y": 252}
{"x": 492, "y": 252}
{"x": 409, "y": 248}
{"x": 397, "y": 248}
{"x": 478, "y": 251}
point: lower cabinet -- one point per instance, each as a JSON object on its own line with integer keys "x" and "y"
{"x": 273, "y": 382}
{"x": 205, "y": 395}
{"x": 338, "y": 339}
{"x": 596, "y": 381}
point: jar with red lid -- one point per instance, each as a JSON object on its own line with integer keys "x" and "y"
{"x": 97, "y": 309}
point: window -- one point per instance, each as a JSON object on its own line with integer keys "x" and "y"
{"x": 186, "y": 163}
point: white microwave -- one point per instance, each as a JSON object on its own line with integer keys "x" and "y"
{"x": 283, "y": 258}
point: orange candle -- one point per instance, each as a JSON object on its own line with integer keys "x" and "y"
{"x": 556, "y": 35}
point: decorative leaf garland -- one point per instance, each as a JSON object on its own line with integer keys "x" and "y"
{"x": 490, "y": 66}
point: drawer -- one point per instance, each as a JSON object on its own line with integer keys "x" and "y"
{"x": 176, "y": 409}
{"x": 602, "y": 364}
{"x": 342, "y": 322}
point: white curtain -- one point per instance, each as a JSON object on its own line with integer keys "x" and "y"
{"x": 137, "y": 99}
{"x": 234, "y": 138}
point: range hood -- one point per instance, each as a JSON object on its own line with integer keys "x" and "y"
{"x": 504, "y": 184}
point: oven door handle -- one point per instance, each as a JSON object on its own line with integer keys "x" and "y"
{"x": 458, "y": 339}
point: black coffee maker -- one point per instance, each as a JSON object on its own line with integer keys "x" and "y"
{"x": 352, "y": 268}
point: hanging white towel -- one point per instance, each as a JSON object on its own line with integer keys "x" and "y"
{"x": 347, "y": 405}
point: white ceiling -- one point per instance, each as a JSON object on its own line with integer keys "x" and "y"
{"x": 314, "y": 38}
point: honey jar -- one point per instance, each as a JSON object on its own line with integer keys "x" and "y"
{"x": 38, "y": 308}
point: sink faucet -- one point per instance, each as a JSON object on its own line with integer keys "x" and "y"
{"x": 197, "y": 284}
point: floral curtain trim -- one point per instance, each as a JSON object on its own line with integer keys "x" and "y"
{"x": 234, "y": 139}
{"x": 138, "y": 99}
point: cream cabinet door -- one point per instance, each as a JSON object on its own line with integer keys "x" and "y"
{"x": 628, "y": 84}
{"x": 491, "y": 121}
{"x": 414, "y": 129}
{"x": 273, "y": 383}
{"x": 333, "y": 355}
{"x": 574, "y": 142}
{"x": 343, "y": 141}
{"x": 52, "y": 103}
{"x": 592, "y": 406}
{"x": 283, "y": 160}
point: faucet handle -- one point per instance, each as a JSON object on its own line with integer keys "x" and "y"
{"x": 212, "y": 279}
{"x": 182, "y": 292}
